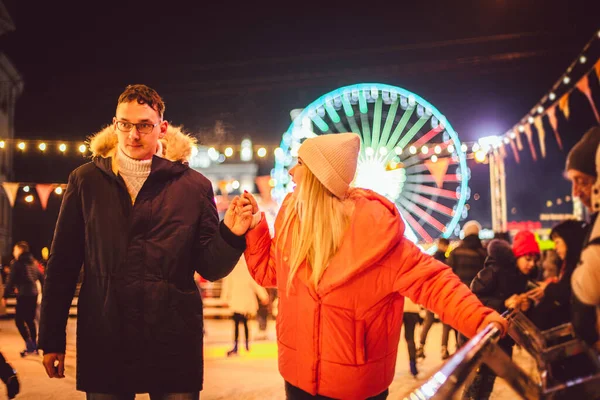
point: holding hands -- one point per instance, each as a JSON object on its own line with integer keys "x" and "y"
{"x": 239, "y": 217}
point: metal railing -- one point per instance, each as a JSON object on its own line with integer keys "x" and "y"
{"x": 567, "y": 367}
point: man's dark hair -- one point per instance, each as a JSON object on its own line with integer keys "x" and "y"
{"x": 24, "y": 246}
{"x": 143, "y": 95}
{"x": 444, "y": 241}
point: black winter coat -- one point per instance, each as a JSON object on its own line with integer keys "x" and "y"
{"x": 500, "y": 278}
{"x": 24, "y": 273}
{"x": 467, "y": 259}
{"x": 139, "y": 325}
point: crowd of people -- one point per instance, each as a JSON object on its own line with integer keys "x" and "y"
{"x": 142, "y": 224}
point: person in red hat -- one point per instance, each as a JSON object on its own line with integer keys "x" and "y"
{"x": 502, "y": 285}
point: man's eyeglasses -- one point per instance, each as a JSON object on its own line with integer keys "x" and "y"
{"x": 142, "y": 127}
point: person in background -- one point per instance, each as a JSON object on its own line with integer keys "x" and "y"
{"x": 581, "y": 169}
{"x": 585, "y": 281}
{"x": 554, "y": 294}
{"x": 9, "y": 376}
{"x": 466, "y": 260}
{"x": 343, "y": 267}
{"x": 410, "y": 319}
{"x": 502, "y": 285}
{"x": 24, "y": 275}
{"x": 440, "y": 255}
{"x": 240, "y": 292}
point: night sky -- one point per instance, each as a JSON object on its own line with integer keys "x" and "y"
{"x": 250, "y": 65}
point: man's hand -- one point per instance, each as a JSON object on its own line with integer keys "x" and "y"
{"x": 238, "y": 217}
{"x": 54, "y": 364}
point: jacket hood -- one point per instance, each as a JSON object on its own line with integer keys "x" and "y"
{"x": 472, "y": 242}
{"x": 26, "y": 258}
{"x": 501, "y": 253}
{"x": 177, "y": 146}
{"x": 363, "y": 246}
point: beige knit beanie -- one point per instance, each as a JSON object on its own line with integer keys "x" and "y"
{"x": 332, "y": 158}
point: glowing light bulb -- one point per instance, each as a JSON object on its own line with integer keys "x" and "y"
{"x": 530, "y": 120}
{"x": 521, "y": 128}
{"x": 475, "y": 147}
{"x": 480, "y": 156}
{"x": 21, "y": 146}
{"x": 235, "y": 184}
{"x": 262, "y": 152}
{"x": 2, "y": 144}
{"x": 566, "y": 80}
{"x": 413, "y": 150}
{"x": 552, "y": 96}
{"x": 82, "y": 148}
{"x": 450, "y": 148}
{"x": 540, "y": 109}
{"x": 26, "y": 189}
{"x": 29, "y": 199}
{"x": 62, "y": 147}
{"x": 383, "y": 151}
{"x": 463, "y": 148}
{"x": 424, "y": 150}
{"x": 437, "y": 149}
{"x": 582, "y": 59}
{"x": 228, "y": 152}
{"x": 398, "y": 150}
{"x": 434, "y": 158}
{"x": 369, "y": 151}
{"x": 58, "y": 190}
{"x": 42, "y": 146}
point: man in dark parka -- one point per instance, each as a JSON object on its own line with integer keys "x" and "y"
{"x": 140, "y": 221}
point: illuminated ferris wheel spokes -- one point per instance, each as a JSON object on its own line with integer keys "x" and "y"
{"x": 409, "y": 152}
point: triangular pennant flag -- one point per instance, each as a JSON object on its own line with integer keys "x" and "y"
{"x": 529, "y": 134}
{"x": 519, "y": 143}
{"x": 223, "y": 187}
{"x": 438, "y": 170}
{"x": 11, "y": 189}
{"x": 597, "y": 68}
{"x": 539, "y": 126}
{"x": 264, "y": 188}
{"x": 584, "y": 87}
{"x": 43, "y": 191}
{"x": 563, "y": 104}
{"x": 554, "y": 123}
{"x": 513, "y": 146}
{"x": 502, "y": 150}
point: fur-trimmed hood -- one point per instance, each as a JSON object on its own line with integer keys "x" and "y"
{"x": 177, "y": 146}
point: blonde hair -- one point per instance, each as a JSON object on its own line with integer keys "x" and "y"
{"x": 317, "y": 221}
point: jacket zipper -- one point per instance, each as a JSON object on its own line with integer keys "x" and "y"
{"x": 318, "y": 335}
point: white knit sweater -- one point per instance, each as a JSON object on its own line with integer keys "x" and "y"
{"x": 134, "y": 172}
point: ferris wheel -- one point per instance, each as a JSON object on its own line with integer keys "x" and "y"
{"x": 409, "y": 153}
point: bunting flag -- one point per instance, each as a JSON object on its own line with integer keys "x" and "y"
{"x": 539, "y": 126}
{"x": 223, "y": 188}
{"x": 554, "y": 123}
{"x": 513, "y": 146}
{"x": 584, "y": 87}
{"x": 529, "y": 134}
{"x": 43, "y": 191}
{"x": 11, "y": 189}
{"x": 502, "y": 150}
{"x": 519, "y": 143}
{"x": 438, "y": 170}
{"x": 597, "y": 68}
{"x": 563, "y": 104}
{"x": 264, "y": 188}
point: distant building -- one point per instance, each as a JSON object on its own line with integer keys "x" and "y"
{"x": 11, "y": 86}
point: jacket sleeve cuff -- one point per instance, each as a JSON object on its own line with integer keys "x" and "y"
{"x": 235, "y": 241}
